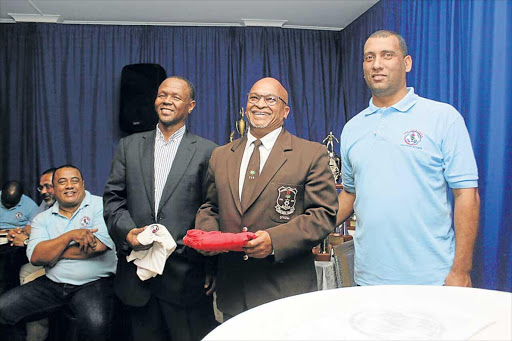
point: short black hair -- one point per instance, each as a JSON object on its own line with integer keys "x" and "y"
{"x": 388, "y": 33}
{"x": 66, "y": 166}
{"x": 48, "y": 171}
{"x": 191, "y": 88}
{"x": 12, "y": 191}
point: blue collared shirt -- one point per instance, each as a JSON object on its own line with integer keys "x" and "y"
{"x": 19, "y": 215}
{"x": 400, "y": 162}
{"x": 50, "y": 224}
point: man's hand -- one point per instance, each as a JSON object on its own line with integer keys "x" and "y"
{"x": 210, "y": 283}
{"x": 131, "y": 239}
{"x": 84, "y": 238}
{"x": 260, "y": 247}
{"x": 458, "y": 279}
{"x": 17, "y": 236}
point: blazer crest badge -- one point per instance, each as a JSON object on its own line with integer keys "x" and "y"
{"x": 286, "y": 199}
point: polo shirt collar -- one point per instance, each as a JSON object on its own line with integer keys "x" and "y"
{"x": 403, "y": 105}
{"x": 85, "y": 202}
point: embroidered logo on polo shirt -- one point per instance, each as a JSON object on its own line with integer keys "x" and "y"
{"x": 286, "y": 200}
{"x": 18, "y": 215}
{"x": 85, "y": 221}
{"x": 413, "y": 137}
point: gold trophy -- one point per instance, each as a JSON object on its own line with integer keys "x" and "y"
{"x": 240, "y": 126}
{"x": 240, "y": 123}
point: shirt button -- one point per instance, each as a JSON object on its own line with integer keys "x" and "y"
{"x": 244, "y": 229}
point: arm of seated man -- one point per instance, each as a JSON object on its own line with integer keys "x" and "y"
{"x": 75, "y": 252}
{"x": 49, "y": 252}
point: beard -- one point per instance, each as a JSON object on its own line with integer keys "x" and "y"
{"x": 49, "y": 200}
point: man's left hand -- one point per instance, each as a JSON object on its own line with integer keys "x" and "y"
{"x": 458, "y": 279}
{"x": 17, "y": 237}
{"x": 260, "y": 247}
{"x": 210, "y": 283}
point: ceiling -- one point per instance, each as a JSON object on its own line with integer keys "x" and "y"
{"x": 312, "y": 14}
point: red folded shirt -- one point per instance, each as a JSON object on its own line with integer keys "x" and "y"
{"x": 217, "y": 241}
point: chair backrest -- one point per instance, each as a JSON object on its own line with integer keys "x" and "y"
{"x": 344, "y": 263}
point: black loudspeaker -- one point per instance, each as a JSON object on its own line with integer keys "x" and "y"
{"x": 139, "y": 85}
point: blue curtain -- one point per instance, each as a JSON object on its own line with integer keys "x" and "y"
{"x": 60, "y": 86}
{"x": 459, "y": 51}
{"x": 59, "y": 90}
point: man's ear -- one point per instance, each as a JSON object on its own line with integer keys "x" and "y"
{"x": 191, "y": 106}
{"x": 408, "y": 63}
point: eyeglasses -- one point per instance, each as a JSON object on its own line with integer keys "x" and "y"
{"x": 47, "y": 186}
{"x": 270, "y": 99}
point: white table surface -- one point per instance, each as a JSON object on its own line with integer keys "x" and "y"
{"x": 377, "y": 312}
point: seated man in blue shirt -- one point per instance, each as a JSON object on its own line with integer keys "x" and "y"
{"x": 16, "y": 211}
{"x": 71, "y": 240}
{"x": 36, "y": 330}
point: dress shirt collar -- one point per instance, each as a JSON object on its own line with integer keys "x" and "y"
{"x": 178, "y": 134}
{"x": 267, "y": 141}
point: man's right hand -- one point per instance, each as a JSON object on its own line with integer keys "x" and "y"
{"x": 84, "y": 238}
{"x": 131, "y": 239}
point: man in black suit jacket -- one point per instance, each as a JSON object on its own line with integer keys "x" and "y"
{"x": 158, "y": 177}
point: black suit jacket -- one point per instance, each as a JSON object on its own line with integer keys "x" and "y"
{"x": 129, "y": 202}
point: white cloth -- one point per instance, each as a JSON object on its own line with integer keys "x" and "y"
{"x": 152, "y": 262}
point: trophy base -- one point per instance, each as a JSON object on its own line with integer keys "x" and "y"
{"x": 322, "y": 256}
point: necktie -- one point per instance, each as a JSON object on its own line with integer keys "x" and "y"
{"x": 251, "y": 175}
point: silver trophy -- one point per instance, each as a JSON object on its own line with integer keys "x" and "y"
{"x": 334, "y": 159}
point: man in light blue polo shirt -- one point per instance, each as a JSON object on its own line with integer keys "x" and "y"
{"x": 16, "y": 210}
{"x": 400, "y": 156}
{"x": 71, "y": 240}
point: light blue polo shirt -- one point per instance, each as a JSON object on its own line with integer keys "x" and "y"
{"x": 50, "y": 224}
{"x": 19, "y": 215}
{"x": 400, "y": 161}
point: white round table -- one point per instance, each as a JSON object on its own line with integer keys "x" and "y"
{"x": 377, "y": 313}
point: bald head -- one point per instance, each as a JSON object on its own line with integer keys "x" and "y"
{"x": 11, "y": 193}
{"x": 266, "y": 113}
{"x": 272, "y": 83}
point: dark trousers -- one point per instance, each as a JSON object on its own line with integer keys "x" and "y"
{"x": 11, "y": 260}
{"x": 91, "y": 303}
{"x": 159, "y": 320}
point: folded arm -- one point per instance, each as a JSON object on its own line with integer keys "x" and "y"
{"x": 49, "y": 252}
